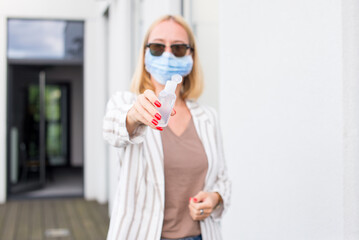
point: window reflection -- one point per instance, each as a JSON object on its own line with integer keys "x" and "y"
{"x": 45, "y": 39}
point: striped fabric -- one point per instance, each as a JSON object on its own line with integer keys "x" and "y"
{"x": 139, "y": 201}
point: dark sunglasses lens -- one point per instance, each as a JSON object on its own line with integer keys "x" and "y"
{"x": 157, "y": 49}
{"x": 179, "y": 50}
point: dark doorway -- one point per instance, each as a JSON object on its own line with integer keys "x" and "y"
{"x": 44, "y": 114}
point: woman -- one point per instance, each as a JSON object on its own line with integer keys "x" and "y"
{"x": 173, "y": 181}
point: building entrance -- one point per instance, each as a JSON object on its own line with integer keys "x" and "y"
{"x": 44, "y": 106}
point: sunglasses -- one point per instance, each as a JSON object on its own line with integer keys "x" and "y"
{"x": 179, "y": 50}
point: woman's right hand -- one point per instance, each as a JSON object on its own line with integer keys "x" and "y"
{"x": 144, "y": 111}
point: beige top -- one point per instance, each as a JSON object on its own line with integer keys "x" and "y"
{"x": 185, "y": 169}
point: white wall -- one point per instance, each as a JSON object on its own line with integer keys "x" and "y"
{"x": 153, "y": 9}
{"x": 281, "y": 111}
{"x": 94, "y": 88}
{"x": 62, "y": 9}
{"x": 119, "y": 71}
{"x": 202, "y": 15}
{"x": 351, "y": 118}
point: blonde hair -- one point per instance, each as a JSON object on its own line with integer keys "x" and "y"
{"x": 192, "y": 86}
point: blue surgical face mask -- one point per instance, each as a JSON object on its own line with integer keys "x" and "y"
{"x": 163, "y": 67}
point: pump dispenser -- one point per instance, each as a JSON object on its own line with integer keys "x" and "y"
{"x": 167, "y": 99}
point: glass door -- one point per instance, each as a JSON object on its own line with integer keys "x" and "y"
{"x": 27, "y": 132}
{"x": 38, "y": 129}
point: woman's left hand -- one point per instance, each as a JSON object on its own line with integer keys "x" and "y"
{"x": 203, "y": 202}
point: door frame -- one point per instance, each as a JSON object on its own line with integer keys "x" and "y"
{"x": 43, "y": 64}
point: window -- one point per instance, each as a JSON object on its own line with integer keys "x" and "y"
{"x": 45, "y": 39}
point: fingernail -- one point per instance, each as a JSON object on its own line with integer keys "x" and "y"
{"x": 195, "y": 199}
{"x": 158, "y": 116}
{"x": 159, "y": 128}
{"x": 190, "y": 198}
{"x": 154, "y": 121}
{"x": 157, "y": 103}
{"x": 174, "y": 111}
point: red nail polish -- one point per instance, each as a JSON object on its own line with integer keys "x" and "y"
{"x": 195, "y": 199}
{"x": 174, "y": 111}
{"x": 159, "y": 128}
{"x": 157, "y": 103}
{"x": 154, "y": 121}
{"x": 158, "y": 116}
{"x": 190, "y": 198}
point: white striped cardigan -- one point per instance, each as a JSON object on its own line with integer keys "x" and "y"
{"x": 139, "y": 201}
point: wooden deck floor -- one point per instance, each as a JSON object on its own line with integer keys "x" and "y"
{"x": 53, "y": 219}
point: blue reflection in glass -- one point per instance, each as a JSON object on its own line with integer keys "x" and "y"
{"x": 45, "y": 39}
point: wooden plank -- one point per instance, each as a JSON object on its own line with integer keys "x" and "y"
{"x": 87, "y": 221}
{"x": 49, "y": 217}
{"x": 36, "y": 218}
{"x": 28, "y": 220}
{"x": 104, "y": 211}
{"x": 99, "y": 216}
{"x": 77, "y": 228}
{"x": 102, "y": 217}
{"x": 62, "y": 220}
{"x": 10, "y": 222}
{"x": 3, "y": 210}
{"x": 23, "y": 222}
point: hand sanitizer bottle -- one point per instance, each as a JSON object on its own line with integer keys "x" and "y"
{"x": 167, "y": 99}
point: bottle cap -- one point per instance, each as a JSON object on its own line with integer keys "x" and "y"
{"x": 172, "y": 84}
{"x": 176, "y": 78}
